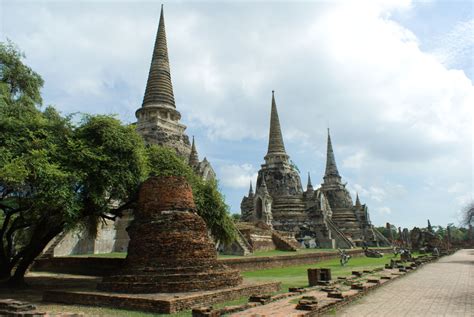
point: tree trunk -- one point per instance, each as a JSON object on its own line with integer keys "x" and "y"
{"x": 5, "y": 271}
{"x": 33, "y": 250}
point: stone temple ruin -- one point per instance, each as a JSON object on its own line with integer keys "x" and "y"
{"x": 158, "y": 119}
{"x": 158, "y": 123}
{"x": 326, "y": 215}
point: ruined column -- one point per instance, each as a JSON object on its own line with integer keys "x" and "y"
{"x": 388, "y": 226}
{"x": 448, "y": 236}
{"x": 406, "y": 237}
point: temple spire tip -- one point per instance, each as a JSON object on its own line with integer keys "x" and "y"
{"x": 275, "y": 142}
{"x": 159, "y": 89}
{"x": 331, "y": 167}
{"x": 310, "y": 185}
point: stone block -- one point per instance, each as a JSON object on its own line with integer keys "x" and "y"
{"x": 358, "y": 286}
{"x": 205, "y": 312}
{"x": 263, "y": 299}
{"x": 373, "y": 281}
{"x": 307, "y": 303}
{"x": 318, "y": 275}
{"x": 336, "y": 294}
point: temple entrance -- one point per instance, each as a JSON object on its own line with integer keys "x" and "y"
{"x": 259, "y": 208}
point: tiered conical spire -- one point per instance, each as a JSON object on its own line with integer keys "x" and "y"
{"x": 250, "y": 189}
{"x": 331, "y": 168}
{"x": 159, "y": 89}
{"x": 310, "y": 185}
{"x": 358, "y": 204}
{"x": 275, "y": 142}
{"x": 193, "y": 156}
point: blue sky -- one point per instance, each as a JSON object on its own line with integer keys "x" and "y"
{"x": 392, "y": 79}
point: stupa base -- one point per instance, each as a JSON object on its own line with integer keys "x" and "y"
{"x": 159, "y": 302}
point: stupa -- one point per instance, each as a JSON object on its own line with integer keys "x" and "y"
{"x": 170, "y": 249}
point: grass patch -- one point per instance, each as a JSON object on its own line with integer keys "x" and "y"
{"x": 296, "y": 276}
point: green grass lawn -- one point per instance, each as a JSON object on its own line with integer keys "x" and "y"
{"x": 296, "y": 276}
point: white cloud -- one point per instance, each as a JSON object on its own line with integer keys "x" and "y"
{"x": 356, "y": 160}
{"x": 374, "y": 193}
{"x": 384, "y": 210}
{"x": 238, "y": 176}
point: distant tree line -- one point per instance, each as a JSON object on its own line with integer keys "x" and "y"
{"x": 459, "y": 234}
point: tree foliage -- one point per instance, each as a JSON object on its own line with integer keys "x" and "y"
{"x": 468, "y": 214}
{"x": 55, "y": 174}
{"x": 18, "y": 82}
{"x": 386, "y": 233}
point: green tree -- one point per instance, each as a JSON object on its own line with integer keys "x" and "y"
{"x": 468, "y": 214}
{"x": 53, "y": 174}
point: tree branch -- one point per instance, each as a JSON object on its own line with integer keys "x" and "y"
{"x": 9, "y": 235}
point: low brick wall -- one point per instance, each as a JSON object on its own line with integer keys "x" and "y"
{"x": 107, "y": 266}
{"x": 156, "y": 303}
{"x": 257, "y": 263}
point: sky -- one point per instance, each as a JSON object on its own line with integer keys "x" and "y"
{"x": 393, "y": 80}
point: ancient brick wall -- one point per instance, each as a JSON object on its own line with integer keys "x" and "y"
{"x": 106, "y": 266}
{"x": 170, "y": 249}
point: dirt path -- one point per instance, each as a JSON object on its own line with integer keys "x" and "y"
{"x": 442, "y": 288}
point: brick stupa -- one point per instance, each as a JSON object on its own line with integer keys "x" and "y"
{"x": 170, "y": 249}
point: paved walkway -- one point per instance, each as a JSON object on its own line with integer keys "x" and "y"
{"x": 443, "y": 288}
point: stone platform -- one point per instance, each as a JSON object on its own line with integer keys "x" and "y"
{"x": 158, "y": 302}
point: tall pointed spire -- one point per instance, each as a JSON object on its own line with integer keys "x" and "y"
{"x": 275, "y": 142}
{"x": 310, "y": 185}
{"x": 358, "y": 204}
{"x": 159, "y": 89}
{"x": 250, "y": 189}
{"x": 193, "y": 156}
{"x": 331, "y": 168}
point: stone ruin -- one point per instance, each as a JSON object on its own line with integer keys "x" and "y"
{"x": 425, "y": 240}
{"x": 319, "y": 276}
{"x": 170, "y": 249}
{"x": 158, "y": 122}
{"x": 326, "y": 216}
